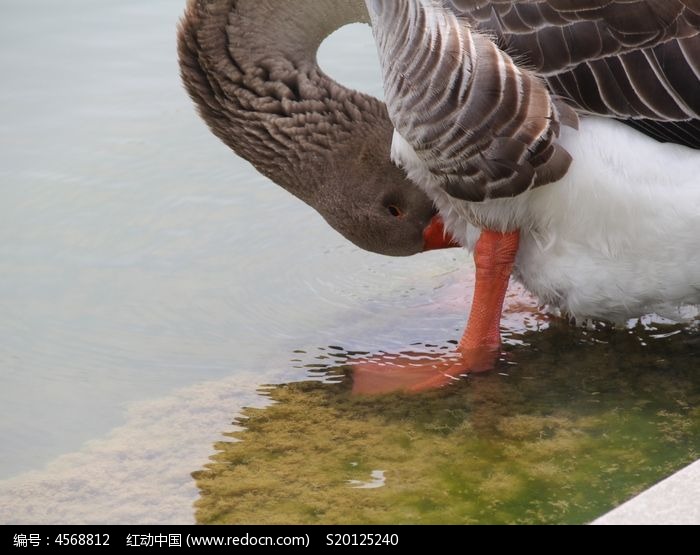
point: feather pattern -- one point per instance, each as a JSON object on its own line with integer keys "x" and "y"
{"x": 483, "y": 101}
{"x": 485, "y": 127}
{"x": 630, "y": 59}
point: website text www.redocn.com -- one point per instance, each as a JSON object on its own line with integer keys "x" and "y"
{"x": 247, "y": 540}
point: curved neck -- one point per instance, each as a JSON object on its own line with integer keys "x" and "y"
{"x": 250, "y": 65}
{"x": 291, "y": 29}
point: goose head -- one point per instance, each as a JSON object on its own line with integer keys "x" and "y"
{"x": 370, "y": 201}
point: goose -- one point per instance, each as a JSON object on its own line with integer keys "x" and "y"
{"x": 559, "y": 141}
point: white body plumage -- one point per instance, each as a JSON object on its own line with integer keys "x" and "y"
{"x": 618, "y": 237}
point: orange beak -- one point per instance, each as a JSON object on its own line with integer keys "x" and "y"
{"x": 435, "y": 237}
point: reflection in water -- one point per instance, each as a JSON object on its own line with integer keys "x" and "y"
{"x": 521, "y": 314}
{"x": 572, "y": 424}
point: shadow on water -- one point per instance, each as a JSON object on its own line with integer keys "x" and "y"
{"x": 569, "y": 426}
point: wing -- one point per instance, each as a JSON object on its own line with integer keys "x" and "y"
{"x": 629, "y": 59}
{"x": 582, "y": 30}
{"x": 480, "y": 125}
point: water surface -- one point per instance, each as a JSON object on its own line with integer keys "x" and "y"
{"x": 573, "y": 423}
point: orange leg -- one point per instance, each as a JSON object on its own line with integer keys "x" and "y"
{"x": 494, "y": 257}
{"x": 480, "y": 345}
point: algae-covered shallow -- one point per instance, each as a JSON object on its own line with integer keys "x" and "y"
{"x": 574, "y": 423}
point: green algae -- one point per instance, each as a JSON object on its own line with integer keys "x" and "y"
{"x": 581, "y": 422}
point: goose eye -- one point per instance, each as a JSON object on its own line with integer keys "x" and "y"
{"x": 394, "y": 211}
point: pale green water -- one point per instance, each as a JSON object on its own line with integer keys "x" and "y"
{"x": 150, "y": 281}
